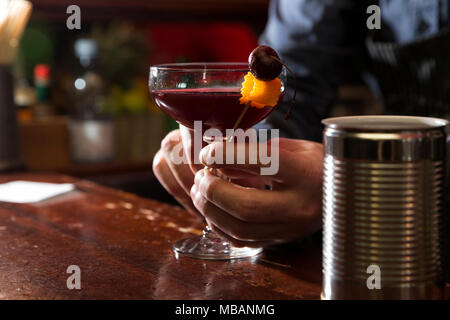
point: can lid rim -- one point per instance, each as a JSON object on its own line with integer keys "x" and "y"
{"x": 385, "y": 123}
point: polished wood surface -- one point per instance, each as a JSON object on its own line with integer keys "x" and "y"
{"x": 122, "y": 244}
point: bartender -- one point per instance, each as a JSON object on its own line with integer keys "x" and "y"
{"x": 406, "y": 63}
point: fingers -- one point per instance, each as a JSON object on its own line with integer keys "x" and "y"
{"x": 232, "y": 227}
{"x": 287, "y": 159}
{"x": 252, "y": 158}
{"x": 173, "y": 153}
{"x": 192, "y": 144}
{"x": 290, "y": 210}
{"x": 241, "y": 233}
{"x": 232, "y": 155}
{"x": 168, "y": 181}
{"x": 246, "y": 204}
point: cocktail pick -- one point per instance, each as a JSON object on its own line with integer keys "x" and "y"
{"x": 291, "y": 106}
{"x": 239, "y": 119}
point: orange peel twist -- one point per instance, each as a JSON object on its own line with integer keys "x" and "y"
{"x": 260, "y": 93}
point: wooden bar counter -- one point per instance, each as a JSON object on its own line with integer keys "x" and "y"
{"x": 123, "y": 246}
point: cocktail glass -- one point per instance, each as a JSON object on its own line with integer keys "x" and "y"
{"x": 207, "y": 92}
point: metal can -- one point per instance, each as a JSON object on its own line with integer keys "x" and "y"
{"x": 383, "y": 207}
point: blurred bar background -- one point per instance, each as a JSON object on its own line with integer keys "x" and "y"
{"x": 82, "y": 99}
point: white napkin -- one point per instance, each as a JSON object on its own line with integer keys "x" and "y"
{"x": 27, "y": 191}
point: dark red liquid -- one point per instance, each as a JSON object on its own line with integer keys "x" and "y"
{"x": 216, "y": 107}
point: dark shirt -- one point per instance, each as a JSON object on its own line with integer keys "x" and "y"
{"x": 318, "y": 39}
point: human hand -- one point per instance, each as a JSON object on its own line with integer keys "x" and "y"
{"x": 255, "y": 216}
{"x": 177, "y": 176}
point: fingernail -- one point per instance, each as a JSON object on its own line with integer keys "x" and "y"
{"x": 193, "y": 191}
{"x": 207, "y": 155}
{"x": 198, "y": 176}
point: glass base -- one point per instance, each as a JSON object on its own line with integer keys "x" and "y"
{"x": 209, "y": 246}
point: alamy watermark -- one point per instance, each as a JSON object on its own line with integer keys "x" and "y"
{"x": 245, "y": 147}
{"x": 74, "y": 280}
{"x": 73, "y": 22}
{"x": 374, "y": 280}
{"x": 374, "y": 20}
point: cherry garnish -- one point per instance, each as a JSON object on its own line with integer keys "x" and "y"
{"x": 264, "y": 63}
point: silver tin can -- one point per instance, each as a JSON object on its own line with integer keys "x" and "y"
{"x": 383, "y": 207}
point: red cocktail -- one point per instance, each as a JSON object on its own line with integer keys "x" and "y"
{"x": 210, "y": 93}
{"x": 216, "y": 107}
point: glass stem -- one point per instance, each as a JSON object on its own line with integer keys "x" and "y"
{"x": 207, "y": 232}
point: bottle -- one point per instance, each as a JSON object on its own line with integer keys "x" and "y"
{"x": 91, "y": 130}
{"x": 88, "y": 85}
{"x": 25, "y": 100}
{"x": 43, "y": 108}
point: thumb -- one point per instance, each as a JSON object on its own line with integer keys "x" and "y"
{"x": 255, "y": 158}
